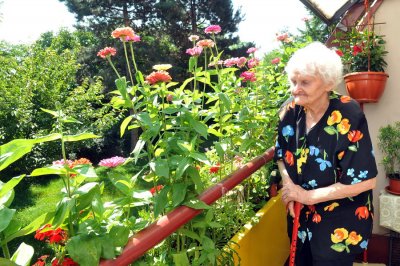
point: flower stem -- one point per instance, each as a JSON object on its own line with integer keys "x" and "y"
{"x": 112, "y": 65}
{"x": 127, "y": 62}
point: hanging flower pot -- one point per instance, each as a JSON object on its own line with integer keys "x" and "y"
{"x": 365, "y": 87}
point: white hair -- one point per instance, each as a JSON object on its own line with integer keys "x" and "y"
{"x": 317, "y": 59}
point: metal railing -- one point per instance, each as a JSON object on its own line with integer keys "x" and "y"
{"x": 169, "y": 223}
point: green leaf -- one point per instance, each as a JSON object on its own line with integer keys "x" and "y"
{"x": 195, "y": 176}
{"x": 200, "y": 157}
{"x": 6, "y": 215}
{"x": 199, "y": 127}
{"x": 246, "y": 145}
{"x": 138, "y": 148}
{"x": 119, "y": 234}
{"x": 183, "y": 165}
{"x": 53, "y": 113}
{"x": 214, "y": 132}
{"x": 161, "y": 201}
{"x": 86, "y": 194}
{"x": 160, "y": 167}
{"x": 192, "y": 63}
{"x": 23, "y": 255}
{"x": 178, "y": 193}
{"x": 225, "y": 100}
{"x": 52, "y": 170}
{"x": 81, "y": 136}
{"x": 122, "y": 87}
{"x": 185, "y": 146}
{"x": 181, "y": 259}
{"x": 32, "y": 227}
{"x": 221, "y": 149}
{"x": 13, "y": 150}
{"x": 330, "y": 130}
{"x": 124, "y": 124}
{"x": 63, "y": 209}
{"x": 189, "y": 233}
{"x": 6, "y": 262}
{"x": 339, "y": 247}
{"x": 7, "y": 187}
{"x": 84, "y": 249}
{"x": 120, "y": 183}
{"x": 197, "y": 204}
{"x": 139, "y": 77}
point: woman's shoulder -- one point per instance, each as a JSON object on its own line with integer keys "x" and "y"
{"x": 345, "y": 104}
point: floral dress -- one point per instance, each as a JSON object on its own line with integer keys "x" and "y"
{"x": 337, "y": 149}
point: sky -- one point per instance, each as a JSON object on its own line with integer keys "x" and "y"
{"x": 22, "y": 21}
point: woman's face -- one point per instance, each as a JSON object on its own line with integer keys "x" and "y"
{"x": 307, "y": 90}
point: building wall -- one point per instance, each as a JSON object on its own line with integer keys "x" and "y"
{"x": 387, "y": 110}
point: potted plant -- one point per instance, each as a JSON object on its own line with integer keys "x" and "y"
{"x": 363, "y": 54}
{"x": 389, "y": 144}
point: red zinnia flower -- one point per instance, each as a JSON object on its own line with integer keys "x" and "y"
{"x": 215, "y": 168}
{"x": 275, "y": 61}
{"x": 158, "y": 76}
{"x": 65, "y": 262}
{"x": 155, "y": 189}
{"x": 41, "y": 261}
{"x": 107, "y": 51}
{"x": 362, "y": 212}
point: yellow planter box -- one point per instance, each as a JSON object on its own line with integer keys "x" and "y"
{"x": 265, "y": 243}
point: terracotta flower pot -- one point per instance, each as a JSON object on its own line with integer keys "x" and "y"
{"x": 365, "y": 87}
{"x": 394, "y": 185}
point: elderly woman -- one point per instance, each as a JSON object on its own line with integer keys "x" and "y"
{"x": 325, "y": 157}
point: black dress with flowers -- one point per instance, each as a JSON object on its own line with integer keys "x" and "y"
{"x": 337, "y": 149}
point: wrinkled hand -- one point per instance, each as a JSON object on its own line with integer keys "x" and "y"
{"x": 292, "y": 192}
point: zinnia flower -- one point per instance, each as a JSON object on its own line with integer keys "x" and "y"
{"x": 215, "y": 168}
{"x": 155, "y": 189}
{"x": 241, "y": 61}
{"x": 41, "y": 261}
{"x": 275, "y": 61}
{"x": 231, "y": 61}
{"x": 251, "y": 50}
{"x": 195, "y": 51}
{"x": 162, "y": 67}
{"x": 112, "y": 162}
{"x": 123, "y": 33}
{"x": 357, "y": 49}
{"x": 135, "y": 38}
{"x": 81, "y": 161}
{"x": 194, "y": 38}
{"x": 248, "y": 76}
{"x": 65, "y": 262}
{"x": 158, "y": 76}
{"x": 213, "y": 29}
{"x": 282, "y": 36}
{"x": 205, "y": 43}
{"x": 253, "y": 62}
{"x": 169, "y": 97}
{"x": 62, "y": 163}
{"x": 107, "y": 51}
{"x": 53, "y": 236}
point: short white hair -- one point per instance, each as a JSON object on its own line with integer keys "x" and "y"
{"x": 317, "y": 59}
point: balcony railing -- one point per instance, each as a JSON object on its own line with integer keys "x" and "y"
{"x": 169, "y": 223}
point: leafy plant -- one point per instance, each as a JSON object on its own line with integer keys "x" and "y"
{"x": 389, "y": 144}
{"x": 362, "y": 50}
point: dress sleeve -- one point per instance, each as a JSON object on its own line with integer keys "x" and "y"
{"x": 356, "y": 155}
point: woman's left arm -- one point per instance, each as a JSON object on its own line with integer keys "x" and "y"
{"x": 293, "y": 192}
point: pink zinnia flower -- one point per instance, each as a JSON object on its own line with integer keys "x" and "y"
{"x": 107, "y": 51}
{"x": 241, "y": 61}
{"x": 231, "y": 61}
{"x": 169, "y": 97}
{"x": 205, "y": 43}
{"x": 305, "y": 19}
{"x": 282, "y": 36}
{"x": 158, "y": 76}
{"x": 339, "y": 52}
{"x": 135, "y": 38}
{"x": 219, "y": 62}
{"x": 112, "y": 162}
{"x": 251, "y": 50}
{"x": 194, "y": 38}
{"x": 122, "y": 33}
{"x": 248, "y": 76}
{"x": 195, "y": 51}
{"x": 62, "y": 162}
{"x": 213, "y": 29}
{"x": 253, "y": 62}
{"x": 275, "y": 61}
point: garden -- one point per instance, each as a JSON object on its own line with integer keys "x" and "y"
{"x": 84, "y": 168}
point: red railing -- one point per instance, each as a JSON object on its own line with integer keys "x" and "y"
{"x": 169, "y": 223}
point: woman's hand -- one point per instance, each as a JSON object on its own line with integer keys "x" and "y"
{"x": 292, "y": 192}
